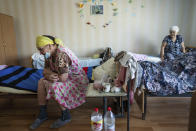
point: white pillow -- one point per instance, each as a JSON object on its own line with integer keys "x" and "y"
{"x": 153, "y": 59}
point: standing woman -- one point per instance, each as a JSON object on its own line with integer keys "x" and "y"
{"x": 64, "y": 80}
{"x": 172, "y": 45}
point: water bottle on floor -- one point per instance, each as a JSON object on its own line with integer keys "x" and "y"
{"x": 96, "y": 120}
{"x": 109, "y": 120}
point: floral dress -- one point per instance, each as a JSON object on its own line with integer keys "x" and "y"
{"x": 71, "y": 93}
{"x": 173, "y": 49}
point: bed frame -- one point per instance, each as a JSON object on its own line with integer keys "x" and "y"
{"x": 141, "y": 99}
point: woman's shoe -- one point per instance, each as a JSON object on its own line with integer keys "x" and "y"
{"x": 65, "y": 118}
{"x": 37, "y": 123}
{"x": 59, "y": 123}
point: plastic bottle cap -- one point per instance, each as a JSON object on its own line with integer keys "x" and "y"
{"x": 96, "y": 109}
{"x": 109, "y": 108}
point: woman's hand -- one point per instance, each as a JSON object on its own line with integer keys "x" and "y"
{"x": 63, "y": 77}
{"x": 49, "y": 75}
{"x": 53, "y": 77}
{"x": 162, "y": 58}
{"x": 162, "y": 50}
{"x": 183, "y": 47}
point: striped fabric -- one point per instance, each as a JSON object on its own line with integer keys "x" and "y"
{"x": 20, "y": 77}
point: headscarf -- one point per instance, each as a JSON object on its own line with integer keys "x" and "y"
{"x": 44, "y": 40}
{"x": 174, "y": 28}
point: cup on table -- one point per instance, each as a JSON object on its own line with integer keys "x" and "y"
{"x": 106, "y": 87}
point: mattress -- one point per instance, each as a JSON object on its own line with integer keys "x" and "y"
{"x": 89, "y": 62}
{"x": 20, "y": 77}
{"x": 5, "y": 89}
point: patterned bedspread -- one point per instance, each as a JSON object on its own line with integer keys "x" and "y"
{"x": 20, "y": 77}
{"x": 171, "y": 77}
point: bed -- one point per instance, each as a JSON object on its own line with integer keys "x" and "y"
{"x": 19, "y": 80}
{"x": 146, "y": 89}
{"x": 37, "y": 62}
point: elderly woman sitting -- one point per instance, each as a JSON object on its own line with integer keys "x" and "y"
{"x": 172, "y": 45}
{"x": 64, "y": 80}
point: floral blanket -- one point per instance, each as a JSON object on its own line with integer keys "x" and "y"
{"x": 170, "y": 77}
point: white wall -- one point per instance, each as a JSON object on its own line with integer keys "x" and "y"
{"x": 135, "y": 29}
{"x": 192, "y": 41}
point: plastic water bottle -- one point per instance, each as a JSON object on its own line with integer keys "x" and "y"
{"x": 109, "y": 120}
{"x": 96, "y": 121}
